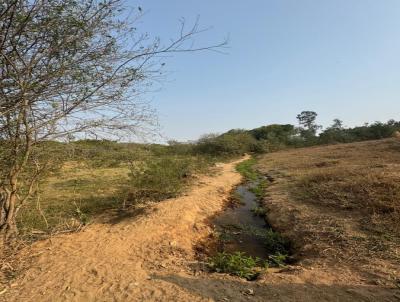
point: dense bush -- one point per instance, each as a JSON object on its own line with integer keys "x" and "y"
{"x": 376, "y": 130}
{"x": 237, "y": 264}
{"x": 234, "y": 142}
{"x": 104, "y": 153}
{"x": 275, "y": 137}
{"x": 158, "y": 178}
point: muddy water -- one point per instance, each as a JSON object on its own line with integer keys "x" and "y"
{"x": 238, "y": 226}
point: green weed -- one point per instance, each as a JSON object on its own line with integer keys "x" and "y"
{"x": 277, "y": 259}
{"x": 275, "y": 243}
{"x": 237, "y": 264}
{"x": 246, "y": 168}
{"x": 259, "y": 211}
{"x": 259, "y": 189}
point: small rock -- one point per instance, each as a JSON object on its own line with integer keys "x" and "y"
{"x": 249, "y": 292}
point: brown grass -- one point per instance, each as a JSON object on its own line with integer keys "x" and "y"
{"x": 340, "y": 202}
{"x": 363, "y": 177}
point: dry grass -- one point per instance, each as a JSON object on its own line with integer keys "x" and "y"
{"x": 81, "y": 191}
{"x": 72, "y": 197}
{"x": 341, "y": 201}
{"x": 362, "y": 177}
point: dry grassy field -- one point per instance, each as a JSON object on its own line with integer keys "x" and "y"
{"x": 72, "y": 196}
{"x": 340, "y": 207}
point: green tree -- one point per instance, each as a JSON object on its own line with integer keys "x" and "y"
{"x": 334, "y": 133}
{"x": 308, "y": 126}
{"x": 337, "y": 124}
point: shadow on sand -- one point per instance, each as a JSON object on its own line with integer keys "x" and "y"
{"x": 231, "y": 290}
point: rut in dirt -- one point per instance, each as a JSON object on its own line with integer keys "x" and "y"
{"x": 243, "y": 226}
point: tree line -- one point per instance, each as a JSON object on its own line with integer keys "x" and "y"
{"x": 308, "y": 133}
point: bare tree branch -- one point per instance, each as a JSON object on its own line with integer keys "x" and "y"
{"x": 72, "y": 67}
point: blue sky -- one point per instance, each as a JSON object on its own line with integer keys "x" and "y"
{"x": 340, "y": 58}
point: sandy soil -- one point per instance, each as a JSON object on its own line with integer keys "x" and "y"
{"x": 151, "y": 257}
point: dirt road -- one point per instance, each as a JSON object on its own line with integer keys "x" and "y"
{"x": 151, "y": 257}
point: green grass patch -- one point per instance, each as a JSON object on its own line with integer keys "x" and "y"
{"x": 246, "y": 168}
{"x": 237, "y": 264}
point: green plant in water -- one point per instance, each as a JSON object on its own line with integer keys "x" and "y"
{"x": 246, "y": 168}
{"x": 259, "y": 189}
{"x": 236, "y": 199}
{"x": 225, "y": 236}
{"x": 237, "y": 264}
{"x": 275, "y": 243}
{"x": 277, "y": 260}
{"x": 259, "y": 211}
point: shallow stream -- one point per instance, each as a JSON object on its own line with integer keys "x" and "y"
{"x": 238, "y": 225}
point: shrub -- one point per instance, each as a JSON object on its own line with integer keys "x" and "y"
{"x": 277, "y": 259}
{"x": 237, "y": 264}
{"x": 159, "y": 178}
{"x": 274, "y": 137}
{"x": 275, "y": 243}
{"x": 234, "y": 142}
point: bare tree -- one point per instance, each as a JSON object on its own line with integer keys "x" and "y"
{"x": 68, "y": 67}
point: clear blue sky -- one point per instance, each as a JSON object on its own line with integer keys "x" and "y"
{"x": 340, "y": 58}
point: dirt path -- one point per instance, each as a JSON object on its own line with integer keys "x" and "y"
{"x": 151, "y": 258}
{"x": 118, "y": 262}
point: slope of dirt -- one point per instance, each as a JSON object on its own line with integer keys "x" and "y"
{"x": 151, "y": 257}
{"x": 116, "y": 262}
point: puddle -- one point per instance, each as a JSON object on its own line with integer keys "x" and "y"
{"x": 238, "y": 226}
